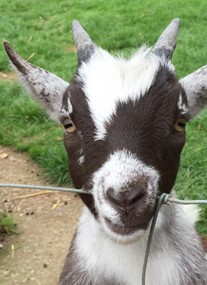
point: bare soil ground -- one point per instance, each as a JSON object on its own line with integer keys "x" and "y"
{"x": 46, "y": 223}
{"x": 8, "y": 76}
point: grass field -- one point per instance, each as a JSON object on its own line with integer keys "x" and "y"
{"x": 40, "y": 32}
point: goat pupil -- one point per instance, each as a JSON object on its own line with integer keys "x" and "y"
{"x": 182, "y": 125}
{"x": 67, "y": 126}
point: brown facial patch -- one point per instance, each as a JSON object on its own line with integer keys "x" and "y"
{"x": 81, "y": 142}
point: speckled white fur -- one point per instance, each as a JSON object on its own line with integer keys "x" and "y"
{"x": 45, "y": 87}
{"x": 182, "y": 106}
{"x": 195, "y": 87}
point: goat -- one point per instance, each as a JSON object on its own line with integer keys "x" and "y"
{"x": 124, "y": 123}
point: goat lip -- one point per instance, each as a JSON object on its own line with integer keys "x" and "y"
{"x": 121, "y": 230}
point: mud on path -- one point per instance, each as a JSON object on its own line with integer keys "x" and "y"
{"x": 46, "y": 223}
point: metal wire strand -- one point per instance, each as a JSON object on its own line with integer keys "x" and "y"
{"x": 187, "y": 202}
{"x": 162, "y": 199}
{"x": 40, "y": 187}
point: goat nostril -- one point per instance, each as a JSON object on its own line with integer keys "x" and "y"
{"x": 135, "y": 199}
{"x": 126, "y": 198}
{"x": 112, "y": 196}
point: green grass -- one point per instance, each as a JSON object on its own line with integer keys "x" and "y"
{"x": 40, "y": 31}
{"x": 25, "y": 126}
{"x": 7, "y": 225}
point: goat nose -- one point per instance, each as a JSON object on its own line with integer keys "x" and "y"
{"x": 125, "y": 199}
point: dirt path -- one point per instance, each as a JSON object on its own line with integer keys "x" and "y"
{"x": 46, "y": 224}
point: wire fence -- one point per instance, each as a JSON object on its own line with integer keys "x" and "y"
{"x": 40, "y": 187}
{"x": 162, "y": 199}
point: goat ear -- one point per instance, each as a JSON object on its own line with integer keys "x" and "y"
{"x": 195, "y": 86}
{"x": 44, "y": 86}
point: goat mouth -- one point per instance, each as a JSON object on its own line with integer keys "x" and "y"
{"x": 121, "y": 230}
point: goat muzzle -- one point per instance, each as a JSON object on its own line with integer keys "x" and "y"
{"x": 125, "y": 200}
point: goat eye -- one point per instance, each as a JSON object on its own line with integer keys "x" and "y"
{"x": 69, "y": 126}
{"x": 180, "y": 125}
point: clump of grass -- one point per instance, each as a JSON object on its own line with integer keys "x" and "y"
{"x": 7, "y": 225}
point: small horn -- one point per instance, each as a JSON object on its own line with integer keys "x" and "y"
{"x": 84, "y": 45}
{"x": 167, "y": 40}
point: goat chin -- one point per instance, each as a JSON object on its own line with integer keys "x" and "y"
{"x": 192, "y": 212}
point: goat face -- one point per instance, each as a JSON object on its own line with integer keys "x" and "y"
{"x": 124, "y": 126}
{"x": 126, "y": 115}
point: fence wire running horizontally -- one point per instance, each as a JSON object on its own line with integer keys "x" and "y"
{"x": 162, "y": 199}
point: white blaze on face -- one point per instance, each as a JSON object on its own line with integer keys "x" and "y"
{"x": 108, "y": 80}
{"x": 121, "y": 170}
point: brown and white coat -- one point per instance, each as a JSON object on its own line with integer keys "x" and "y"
{"x": 124, "y": 125}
